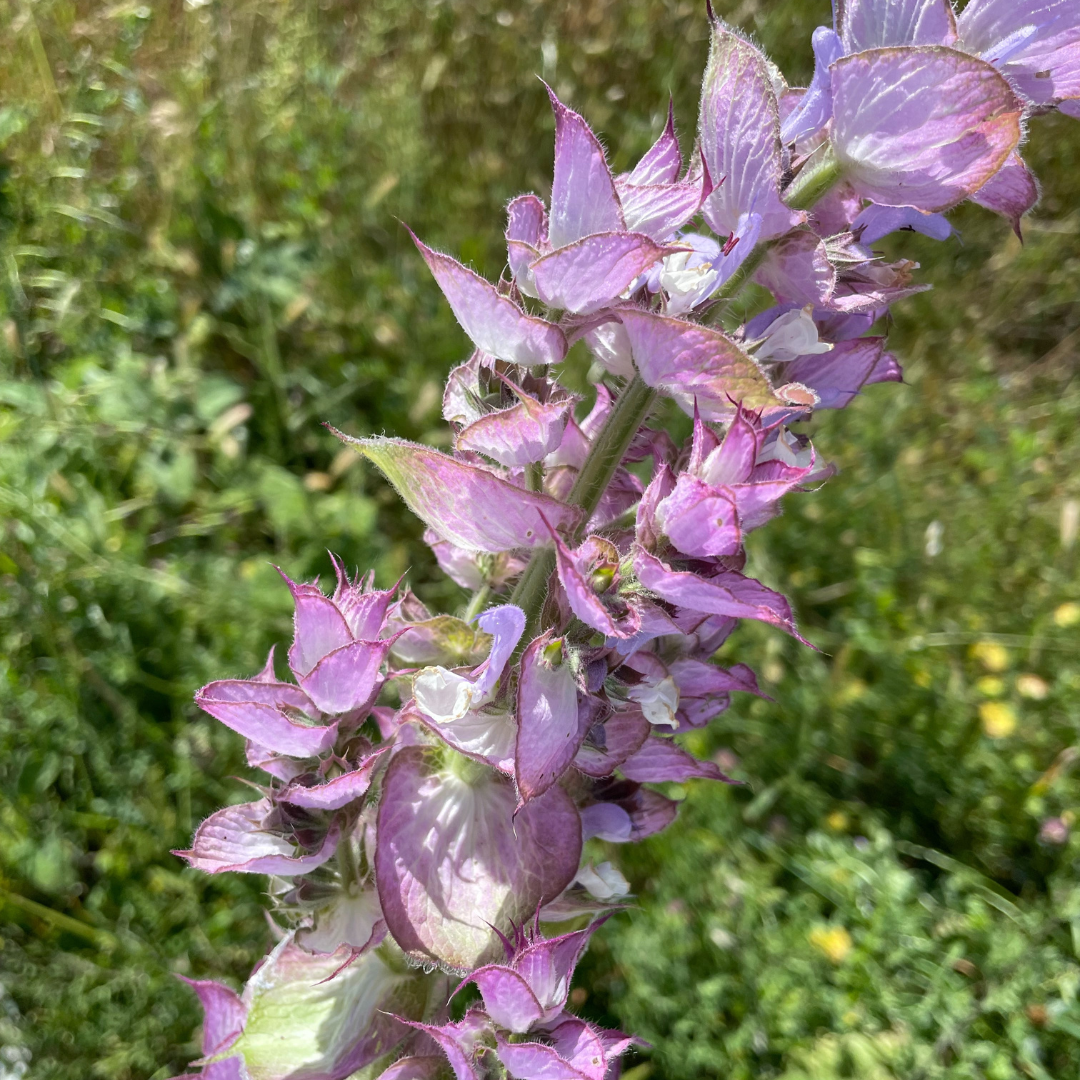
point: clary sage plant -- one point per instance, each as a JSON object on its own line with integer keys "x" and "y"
{"x": 431, "y": 779}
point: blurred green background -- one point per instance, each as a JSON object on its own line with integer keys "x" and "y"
{"x": 201, "y": 262}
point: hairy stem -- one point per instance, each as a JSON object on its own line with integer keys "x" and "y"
{"x": 610, "y": 446}
{"x": 534, "y": 476}
{"x": 477, "y": 602}
{"x": 815, "y": 179}
{"x": 531, "y": 590}
{"x": 734, "y": 284}
{"x": 607, "y": 451}
{"x": 348, "y": 871}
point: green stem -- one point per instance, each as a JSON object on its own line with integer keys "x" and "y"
{"x": 734, "y": 284}
{"x": 534, "y": 476}
{"x": 814, "y": 180}
{"x": 608, "y": 449}
{"x": 531, "y": 590}
{"x": 477, "y": 602}
{"x": 348, "y": 871}
{"x": 610, "y": 446}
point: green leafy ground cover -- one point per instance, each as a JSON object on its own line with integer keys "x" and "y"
{"x": 201, "y": 262}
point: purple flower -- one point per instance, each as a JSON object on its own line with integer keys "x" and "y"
{"x": 336, "y": 658}
{"x": 728, "y": 487}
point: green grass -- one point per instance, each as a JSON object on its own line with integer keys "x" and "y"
{"x": 202, "y": 262}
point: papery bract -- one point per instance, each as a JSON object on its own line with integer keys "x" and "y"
{"x": 573, "y": 1051}
{"x": 467, "y": 505}
{"x": 531, "y": 987}
{"x": 301, "y": 1024}
{"x": 692, "y": 362}
{"x": 1010, "y": 192}
{"x": 453, "y": 860}
{"x": 241, "y": 838}
{"x": 923, "y": 126}
{"x": 1035, "y": 43}
{"x": 704, "y": 689}
{"x": 660, "y": 759}
{"x": 338, "y": 791}
{"x": 549, "y": 729}
{"x": 270, "y": 714}
{"x": 460, "y": 1043}
{"x": 440, "y": 639}
{"x": 724, "y": 593}
{"x": 336, "y": 655}
{"x": 874, "y": 24}
{"x": 524, "y": 433}
{"x": 609, "y": 744}
{"x": 223, "y": 1014}
{"x": 473, "y": 569}
{"x": 797, "y": 270}
{"x": 739, "y": 130}
{"x": 583, "y": 198}
{"x": 494, "y": 322}
{"x": 592, "y": 272}
{"x": 452, "y": 767}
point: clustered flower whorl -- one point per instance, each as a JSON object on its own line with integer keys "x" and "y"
{"x": 433, "y": 779}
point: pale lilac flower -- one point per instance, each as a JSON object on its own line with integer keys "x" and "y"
{"x": 790, "y": 336}
{"x": 813, "y": 109}
{"x": 446, "y": 696}
{"x": 603, "y": 881}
